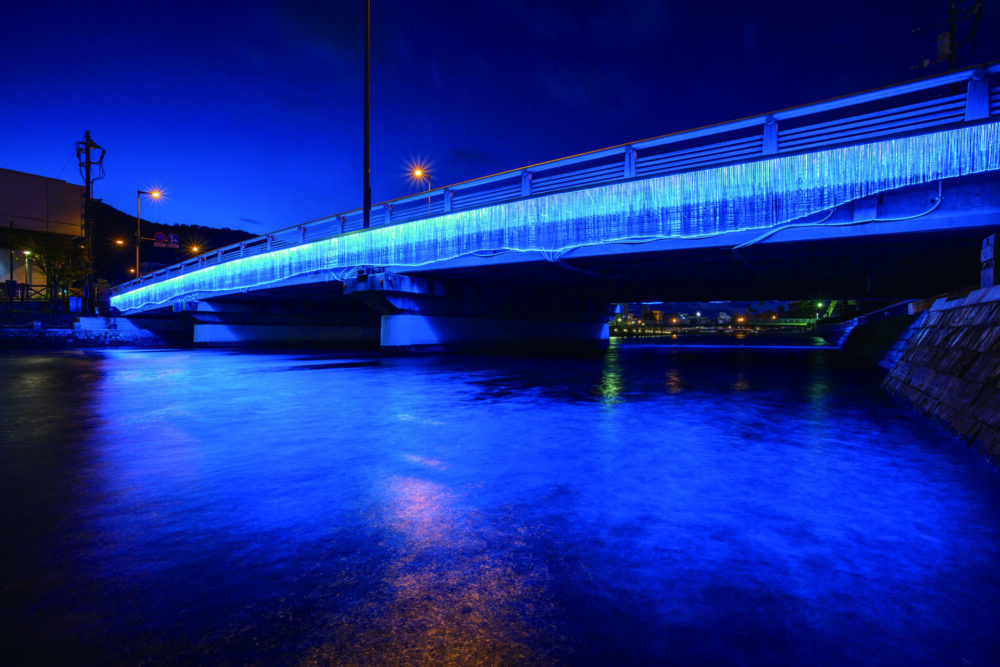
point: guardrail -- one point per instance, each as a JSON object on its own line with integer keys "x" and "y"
{"x": 25, "y": 294}
{"x": 949, "y": 100}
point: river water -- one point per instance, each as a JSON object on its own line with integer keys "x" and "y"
{"x": 662, "y": 504}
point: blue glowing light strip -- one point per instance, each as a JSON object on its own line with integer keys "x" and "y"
{"x": 736, "y": 197}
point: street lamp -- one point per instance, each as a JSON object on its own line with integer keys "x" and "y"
{"x": 419, "y": 173}
{"x": 153, "y": 194}
{"x": 27, "y": 267}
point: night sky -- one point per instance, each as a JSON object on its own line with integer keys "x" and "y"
{"x": 249, "y": 114}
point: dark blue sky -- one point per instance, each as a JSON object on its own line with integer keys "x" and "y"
{"x": 249, "y": 114}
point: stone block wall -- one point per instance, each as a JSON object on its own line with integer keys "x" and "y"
{"x": 950, "y": 367}
{"x": 97, "y": 332}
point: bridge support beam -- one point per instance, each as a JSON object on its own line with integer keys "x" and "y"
{"x": 407, "y": 333}
{"x": 346, "y": 325}
{"x": 272, "y": 335}
{"x": 422, "y": 315}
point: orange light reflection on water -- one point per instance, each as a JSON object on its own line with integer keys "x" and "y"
{"x": 455, "y": 594}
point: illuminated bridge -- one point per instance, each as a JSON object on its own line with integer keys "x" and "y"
{"x": 882, "y": 194}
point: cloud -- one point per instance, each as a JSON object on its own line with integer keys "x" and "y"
{"x": 471, "y": 158}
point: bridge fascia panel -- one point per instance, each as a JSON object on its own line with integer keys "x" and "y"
{"x": 678, "y": 208}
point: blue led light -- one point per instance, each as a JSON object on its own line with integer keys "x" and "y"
{"x": 745, "y": 196}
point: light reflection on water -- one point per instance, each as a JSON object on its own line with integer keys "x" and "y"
{"x": 663, "y": 504}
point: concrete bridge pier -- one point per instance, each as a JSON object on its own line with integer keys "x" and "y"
{"x": 421, "y": 315}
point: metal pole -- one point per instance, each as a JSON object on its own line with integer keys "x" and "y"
{"x": 952, "y": 36}
{"x": 138, "y": 235}
{"x": 88, "y": 302}
{"x": 367, "y": 194}
{"x": 9, "y": 292}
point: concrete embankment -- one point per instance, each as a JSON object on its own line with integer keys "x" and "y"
{"x": 945, "y": 361}
{"x": 98, "y": 332}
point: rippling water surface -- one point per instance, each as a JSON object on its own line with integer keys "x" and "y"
{"x": 659, "y": 505}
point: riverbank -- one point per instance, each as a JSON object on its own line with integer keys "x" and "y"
{"x": 941, "y": 356}
{"x": 87, "y": 332}
{"x": 949, "y": 367}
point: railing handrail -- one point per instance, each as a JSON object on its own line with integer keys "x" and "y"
{"x": 697, "y": 156}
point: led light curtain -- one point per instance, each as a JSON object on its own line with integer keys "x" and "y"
{"x": 751, "y": 195}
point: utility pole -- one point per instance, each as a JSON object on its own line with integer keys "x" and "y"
{"x": 10, "y": 281}
{"x": 367, "y": 195}
{"x": 952, "y": 49}
{"x": 947, "y": 42}
{"x": 87, "y": 164}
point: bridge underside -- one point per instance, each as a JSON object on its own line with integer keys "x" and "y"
{"x": 874, "y": 267}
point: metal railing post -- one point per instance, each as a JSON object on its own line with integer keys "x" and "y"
{"x": 770, "y": 146}
{"x": 629, "y": 162}
{"x": 525, "y": 183}
{"x": 977, "y": 100}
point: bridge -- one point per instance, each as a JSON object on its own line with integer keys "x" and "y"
{"x": 882, "y": 194}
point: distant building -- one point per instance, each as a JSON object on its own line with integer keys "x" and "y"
{"x": 649, "y": 315}
{"x": 31, "y": 205}
{"x": 725, "y": 318}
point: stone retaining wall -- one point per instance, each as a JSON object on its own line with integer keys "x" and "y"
{"x": 98, "y": 332}
{"x": 950, "y": 367}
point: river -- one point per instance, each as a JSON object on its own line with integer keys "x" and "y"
{"x": 662, "y": 504}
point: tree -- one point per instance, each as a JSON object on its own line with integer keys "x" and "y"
{"x": 60, "y": 258}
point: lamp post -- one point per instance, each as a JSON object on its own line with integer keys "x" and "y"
{"x": 155, "y": 194}
{"x": 27, "y": 268}
{"x": 420, "y": 174}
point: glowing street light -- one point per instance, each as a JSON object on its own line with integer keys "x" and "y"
{"x": 155, "y": 195}
{"x": 27, "y": 266}
{"x": 418, "y": 174}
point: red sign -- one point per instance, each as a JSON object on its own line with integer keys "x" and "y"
{"x": 161, "y": 240}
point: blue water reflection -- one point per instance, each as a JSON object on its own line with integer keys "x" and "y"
{"x": 660, "y": 505}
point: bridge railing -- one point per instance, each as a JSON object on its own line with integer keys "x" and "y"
{"x": 939, "y": 102}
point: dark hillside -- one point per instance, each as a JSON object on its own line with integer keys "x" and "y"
{"x": 112, "y": 261}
